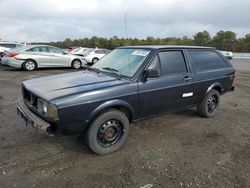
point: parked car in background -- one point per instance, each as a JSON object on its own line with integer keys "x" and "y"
{"x": 72, "y": 48}
{"x": 32, "y": 57}
{"x": 227, "y": 54}
{"x": 92, "y": 56}
{"x": 81, "y": 51}
{"x": 127, "y": 85}
{"x": 5, "y": 46}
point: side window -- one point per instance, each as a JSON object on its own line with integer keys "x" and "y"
{"x": 106, "y": 51}
{"x": 6, "y": 45}
{"x": 203, "y": 60}
{"x": 99, "y": 52}
{"x": 172, "y": 62}
{"x": 155, "y": 64}
{"x": 32, "y": 50}
{"x": 38, "y": 49}
{"x": 56, "y": 50}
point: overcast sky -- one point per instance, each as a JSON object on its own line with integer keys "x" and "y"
{"x": 52, "y": 20}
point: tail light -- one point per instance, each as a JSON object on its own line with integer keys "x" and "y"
{"x": 234, "y": 82}
{"x": 12, "y": 54}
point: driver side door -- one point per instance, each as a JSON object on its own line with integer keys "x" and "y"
{"x": 171, "y": 90}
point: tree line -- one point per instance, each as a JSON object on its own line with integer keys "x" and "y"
{"x": 223, "y": 40}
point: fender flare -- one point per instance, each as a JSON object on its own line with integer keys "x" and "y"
{"x": 111, "y": 104}
{"x": 215, "y": 85}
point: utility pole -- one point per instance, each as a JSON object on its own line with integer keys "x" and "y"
{"x": 126, "y": 29}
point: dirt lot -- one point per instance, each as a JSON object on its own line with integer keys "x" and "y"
{"x": 177, "y": 150}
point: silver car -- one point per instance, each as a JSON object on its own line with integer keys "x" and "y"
{"x": 36, "y": 56}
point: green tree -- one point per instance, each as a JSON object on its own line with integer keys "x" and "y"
{"x": 246, "y": 42}
{"x": 202, "y": 38}
{"x": 225, "y": 40}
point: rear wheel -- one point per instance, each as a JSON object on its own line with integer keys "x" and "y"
{"x": 94, "y": 60}
{"x": 29, "y": 65}
{"x": 76, "y": 64}
{"x": 210, "y": 104}
{"x": 108, "y": 132}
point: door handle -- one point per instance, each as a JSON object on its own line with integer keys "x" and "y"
{"x": 186, "y": 78}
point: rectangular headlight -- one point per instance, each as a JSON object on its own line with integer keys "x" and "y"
{"x": 52, "y": 111}
{"x": 47, "y": 109}
{"x": 42, "y": 106}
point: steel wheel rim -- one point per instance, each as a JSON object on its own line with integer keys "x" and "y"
{"x": 212, "y": 104}
{"x": 95, "y": 60}
{"x": 77, "y": 64}
{"x": 109, "y": 133}
{"x": 30, "y": 65}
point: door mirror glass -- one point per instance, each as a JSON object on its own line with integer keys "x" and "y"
{"x": 151, "y": 73}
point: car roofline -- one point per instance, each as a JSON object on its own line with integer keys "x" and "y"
{"x": 157, "y": 47}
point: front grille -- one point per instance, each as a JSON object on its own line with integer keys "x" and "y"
{"x": 29, "y": 98}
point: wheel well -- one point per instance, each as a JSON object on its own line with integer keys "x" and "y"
{"x": 123, "y": 109}
{"x": 30, "y": 60}
{"x": 218, "y": 88}
{"x": 75, "y": 59}
{"x": 95, "y": 58}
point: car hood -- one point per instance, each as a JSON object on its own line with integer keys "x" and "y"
{"x": 62, "y": 85}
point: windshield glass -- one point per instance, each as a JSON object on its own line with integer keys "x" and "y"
{"x": 124, "y": 61}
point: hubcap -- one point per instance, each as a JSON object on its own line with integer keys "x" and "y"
{"x": 109, "y": 133}
{"x": 30, "y": 65}
{"x": 95, "y": 60}
{"x": 77, "y": 64}
{"x": 212, "y": 104}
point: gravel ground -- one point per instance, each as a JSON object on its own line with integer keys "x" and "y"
{"x": 175, "y": 150}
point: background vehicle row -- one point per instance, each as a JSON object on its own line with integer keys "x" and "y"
{"x": 31, "y": 57}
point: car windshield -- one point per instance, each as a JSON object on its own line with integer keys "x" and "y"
{"x": 123, "y": 61}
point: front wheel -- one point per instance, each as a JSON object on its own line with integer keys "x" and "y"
{"x": 108, "y": 132}
{"x": 76, "y": 64}
{"x": 210, "y": 104}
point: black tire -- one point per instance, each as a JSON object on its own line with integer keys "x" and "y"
{"x": 94, "y": 60}
{"x": 29, "y": 65}
{"x": 97, "y": 135}
{"x": 76, "y": 64}
{"x": 210, "y": 104}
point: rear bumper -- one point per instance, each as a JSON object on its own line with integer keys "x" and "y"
{"x": 13, "y": 62}
{"x": 32, "y": 119}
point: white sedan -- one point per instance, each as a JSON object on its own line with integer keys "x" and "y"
{"x": 227, "y": 54}
{"x": 94, "y": 55}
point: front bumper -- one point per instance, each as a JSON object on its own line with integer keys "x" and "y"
{"x": 32, "y": 119}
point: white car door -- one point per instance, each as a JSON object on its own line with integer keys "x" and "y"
{"x": 60, "y": 58}
{"x": 41, "y": 55}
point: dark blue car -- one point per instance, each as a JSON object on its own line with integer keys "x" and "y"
{"x": 127, "y": 85}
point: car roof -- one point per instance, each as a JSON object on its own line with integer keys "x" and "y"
{"x": 168, "y": 47}
{"x": 6, "y": 42}
{"x": 25, "y": 47}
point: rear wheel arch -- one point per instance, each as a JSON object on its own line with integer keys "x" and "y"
{"x": 95, "y": 58}
{"x": 23, "y": 64}
{"x": 216, "y": 86}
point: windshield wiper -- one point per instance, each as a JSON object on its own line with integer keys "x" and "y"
{"x": 93, "y": 69}
{"x": 115, "y": 71}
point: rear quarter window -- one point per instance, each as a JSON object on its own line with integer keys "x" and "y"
{"x": 204, "y": 60}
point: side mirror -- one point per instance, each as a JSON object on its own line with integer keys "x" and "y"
{"x": 151, "y": 73}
